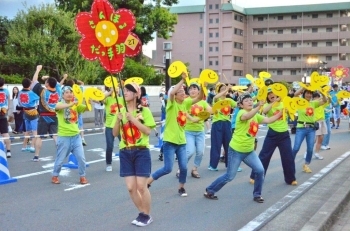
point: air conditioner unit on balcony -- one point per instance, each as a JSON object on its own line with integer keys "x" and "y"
{"x": 167, "y": 46}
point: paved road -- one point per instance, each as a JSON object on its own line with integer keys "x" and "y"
{"x": 33, "y": 203}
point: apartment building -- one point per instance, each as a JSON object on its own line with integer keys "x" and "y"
{"x": 287, "y": 41}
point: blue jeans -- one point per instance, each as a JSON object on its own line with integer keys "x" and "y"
{"x": 326, "y": 137}
{"x": 234, "y": 159}
{"x": 195, "y": 145}
{"x": 220, "y": 136}
{"x": 280, "y": 140}
{"x": 300, "y": 135}
{"x": 169, "y": 149}
{"x": 109, "y": 144}
{"x": 65, "y": 146}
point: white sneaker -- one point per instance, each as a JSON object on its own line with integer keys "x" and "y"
{"x": 109, "y": 168}
{"x": 317, "y": 156}
{"x": 328, "y": 147}
{"x": 324, "y": 147}
{"x": 24, "y": 149}
{"x": 8, "y": 155}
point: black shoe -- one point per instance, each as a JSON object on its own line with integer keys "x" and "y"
{"x": 160, "y": 157}
{"x": 182, "y": 192}
{"x": 222, "y": 159}
{"x": 259, "y": 199}
{"x": 210, "y": 196}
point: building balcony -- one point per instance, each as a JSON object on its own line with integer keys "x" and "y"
{"x": 317, "y": 22}
{"x": 287, "y": 64}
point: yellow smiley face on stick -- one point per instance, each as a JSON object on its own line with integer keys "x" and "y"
{"x": 137, "y": 80}
{"x": 208, "y": 76}
{"x": 108, "y": 81}
{"x": 78, "y": 94}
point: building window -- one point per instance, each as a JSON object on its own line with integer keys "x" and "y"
{"x": 260, "y": 59}
{"x": 200, "y": 43}
{"x": 210, "y": 35}
{"x": 210, "y": 7}
{"x": 260, "y": 32}
{"x": 329, "y": 29}
{"x": 238, "y": 59}
{"x": 279, "y": 59}
{"x": 210, "y": 63}
{"x": 293, "y": 72}
{"x": 216, "y": 6}
{"x": 280, "y": 17}
{"x": 293, "y": 31}
{"x": 238, "y": 45}
{"x": 279, "y": 45}
{"x": 200, "y": 57}
{"x": 200, "y": 30}
{"x": 211, "y": 21}
{"x": 293, "y": 58}
{"x": 314, "y": 15}
{"x": 328, "y": 58}
{"x": 329, "y": 15}
{"x": 217, "y": 34}
{"x": 260, "y": 45}
{"x": 279, "y": 31}
{"x": 217, "y": 20}
{"x": 239, "y": 18}
{"x": 200, "y": 16}
{"x": 210, "y": 49}
{"x": 314, "y": 44}
{"x": 328, "y": 44}
{"x": 293, "y": 44}
{"x": 314, "y": 30}
{"x": 238, "y": 32}
{"x": 216, "y": 49}
{"x": 260, "y": 18}
{"x": 217, "y": 63}
{"x": 279, "y": 72}
{"x": 237, "y": 73}
{"x": 294, "y": 16}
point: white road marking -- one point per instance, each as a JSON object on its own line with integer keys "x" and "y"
{"x": 280, "y": 205}
{"x": 76, "y": 186}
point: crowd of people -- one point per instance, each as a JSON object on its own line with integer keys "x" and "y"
{"x": 53, "y": 110}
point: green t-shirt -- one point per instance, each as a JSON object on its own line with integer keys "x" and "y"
{"x": 68, "y": 120}
{"x": 308, "y": 115}
{"x": 194, "y": 110}
{"x": 175, "y": 121}
{"x": 111, "y": 108}
{"x": 319, "y": 112}
{"x": 245, "y": 132}
{"x": 225, "y": 112}
{"x": 133, "y": 136}
{"x": 279, "y": 125}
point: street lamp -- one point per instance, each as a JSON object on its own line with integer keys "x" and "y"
{"x": 310, "y": 62}
{"x": 167, "y": 64}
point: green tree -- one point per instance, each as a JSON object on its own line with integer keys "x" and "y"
{"x": 150, "y": 18}
{"x": 4, "y": 25}
{"x": 47, "y": 36}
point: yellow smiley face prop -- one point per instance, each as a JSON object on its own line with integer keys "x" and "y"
{"x": 265, "y": 75}
{"x": 93, "y": 94}
{"x": 208, "y": 76}
{"x": 290, "y": 106}
{"x": 279, "y": 89}
{"x": 239, "y": 88}
{"x": 78, "y": 93}
{"x": 137, "y": 80}
{"x": 250, "y": 78}
{"x": 203, "y": 115}
{"x": 220, "y": 104}
{"x": 176, "y": 68}
{"x": 108, "y": 81}
{"x": 310, "y": 88}
{"x": 262, "y": 94}
{"x": 259, "y": 82}
{"x": 300, "y": 103}
{"x": 343, "y": 94}
{"x": 325, "y": 91}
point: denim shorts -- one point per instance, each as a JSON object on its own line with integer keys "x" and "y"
{"x": 135, "y": 162}
{"x": 31, "y": 125}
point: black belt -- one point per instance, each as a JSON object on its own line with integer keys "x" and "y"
{"x": 307, "y": 124}
{"x": 135, "y": 148}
